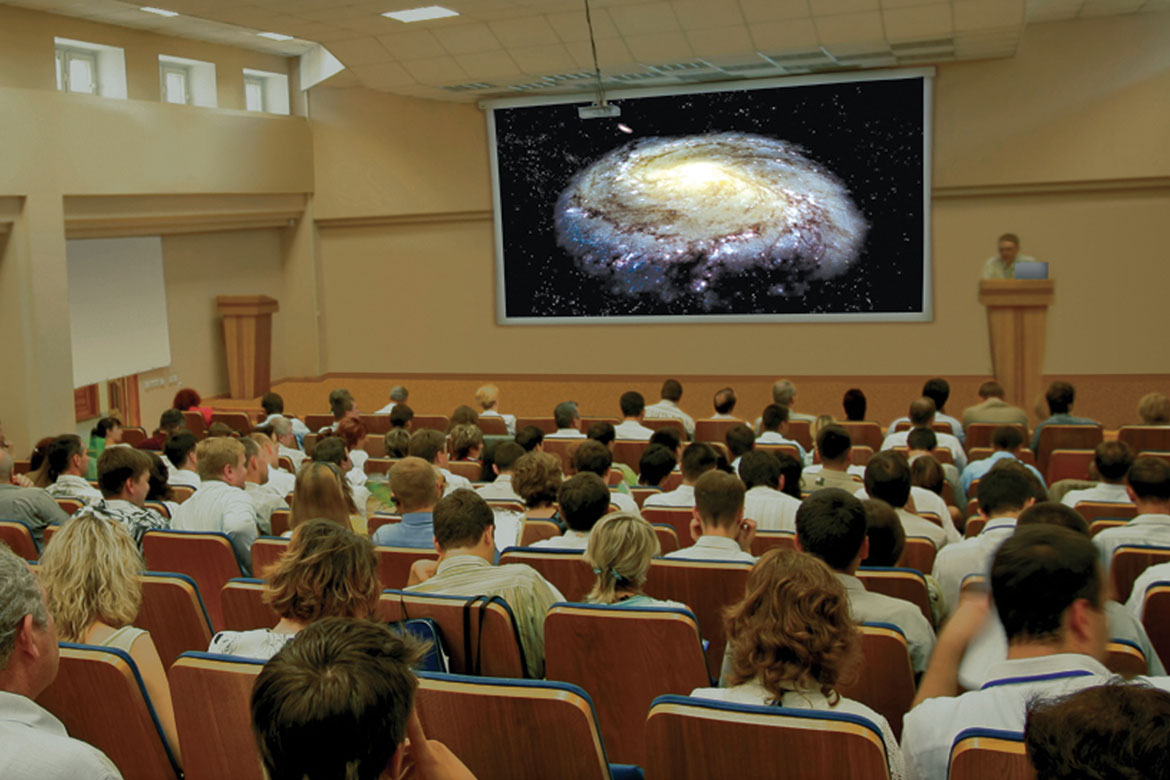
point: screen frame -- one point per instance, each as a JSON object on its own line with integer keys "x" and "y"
{"x": 584, "y": 98}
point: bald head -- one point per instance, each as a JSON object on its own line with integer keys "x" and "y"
{"x": 922, "y": 412}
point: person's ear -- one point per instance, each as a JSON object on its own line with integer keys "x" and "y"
{"x": 489, "y": 536}
{"x": 495, "y": 469}
{"x": 864, "y": 551}
{"x": 796, "y": 543}
{"x": 1132, "y": 495}
{"x": 393, "y": 769}
{"x": 780, "y": 486}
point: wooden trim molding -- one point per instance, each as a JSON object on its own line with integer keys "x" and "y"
{"x": 107, "y": 216}
{"x": 404, "y": 219}
{"x": 1053, "y": 187}
{"x": 86, "y": 404}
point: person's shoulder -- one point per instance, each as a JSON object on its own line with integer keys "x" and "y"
{"x": 67, "y": 758}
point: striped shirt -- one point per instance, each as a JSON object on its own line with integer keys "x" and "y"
{"x": 135, "y": 519}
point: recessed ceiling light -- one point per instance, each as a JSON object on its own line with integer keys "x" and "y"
{"x": 159, "y": 11}
{"x": 421, "y": 14}
{"x": 275, "y": 36}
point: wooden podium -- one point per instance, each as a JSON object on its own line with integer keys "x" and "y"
{"x": 1017, "y": 314}
{"x": 247, "y": 334}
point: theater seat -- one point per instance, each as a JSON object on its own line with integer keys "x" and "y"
{"x": 535, "y": 530}
{"x": 487, "y": 644}
{"x": 979, "y": 435}
{"x": 1145, "y": 438}
{"x": 767, "y": 540}
{"x": 885, "y": 681}
{"x": 677, "y": 518}
{"x": 243, "y": 605}
{"x": 980, "y": 754}
{"x": 394, "y": 563}
{"x": 213, "y": 714}
{"x": 180, "y": 493}
{"x": 206, "y": 557}
{"x": 1105, "y": 510}
{"x": 19, "y": 537}
{"x": 69, "y": 506}
{"x": 919, "y": 554}
{"x": 697, "y": 739}
{"x": 900, "y": 583}
{"x": 865, "y": 433}
{"x": 1156, "y": 617}
{"x": 667, "y": 538}
{"x": 237, "y": 421}
{"x": 565, "y": 569}
{"x": 1129, "y": 561}
{"x": 266, "y": 551}
{"x": 1125, "y": 658}
{"x": 173, "y": 612}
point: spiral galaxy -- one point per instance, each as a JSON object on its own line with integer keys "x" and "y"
{"x": 687, "y": 216}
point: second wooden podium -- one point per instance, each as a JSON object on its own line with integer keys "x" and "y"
{"x": 1017, "y": 317}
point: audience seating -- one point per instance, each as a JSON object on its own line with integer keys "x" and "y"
{"x": 671, "y": 481}
{"x": 310, "y": 442}
{"x": 801, "y": 431}
{"x": 435, "y": 422}
{"x": 777, "y": 449}
{"x": 180, "y": 493}
{"x": 766, "y": 540}
{"x": 1163, "y": 456}
{"x": 468, "y": 469}
{"x": 584, "y": 423}
{"x": 1103, "y": 510}
{"x": 100, "y": 698}
{"x": 173, "y": 612}
{"x": 266, "y": 551}
{"x": 1156, "y": 617}
{"x": 667, "y": 538}
{"x": 864, "y": 433}
{"x": 69, "y": 506}
{"x": 237, "y": 421}
{"x": 937, "y": 427}
{"x": 941, "y": 454}
{"x": 1145, "y": 438}
{"x": 714, "y": 430}
{"x": 19, "y": 537}
{"x": 194, "y": 422}
{"x": 315, "y": 422}
{"x": 379, "y": 465}
{"x": 1130, "y": 560}
{"x": 374, "y": 445}
{"x": 919, "y": 554}
{"x": 885, "y": 681}
{"x": 975, "y": 526}
{"x": 658, "y": 423}
{"x": 707, "y": 587}
{"x": 565, "y": 569}
{"x": 906, "y": 584}
{"x": 1125, "y": 658}
{"x": 491, "y": 645}
{"x": 1097, "y": 526}
{"x": 48, "y": 531}
{"x": 280, "y": 518}
{"x": 133, "y": 435}
{"x": 546, "y": 424}
{"x": 1065, "y": 437}
{"x": 213, "y": 715}
{"x": 286, "y": 463}
{"x": 379, "y": 519}
{"x": 506, "y": 505}
{"x": 159, "y": 507}
{"x": 932, "y": 517}
{"x": 629, "y": 452}
{"x": 589, "y": 645}
{"x": 697, "y": 739}
{"x": 614, "y": 477}
{"x": 492, "y": 426}
{"x": 243, "y": 605}
{"x": 394, "y": 563}
{"x": 979, "y": 435}
{"x": 678, "y": 518}
{"x": 974, "y": 582}
{"x": 206, "y": 557}
{"x": 640, "y": 494}
{"x": 564, "y": 449}
{"x": 1068, "y": 464}
{"x": 981, "y": 453}
{"x": 532, "y": 531}
{"x": 476, "y": 717}
{"x": 979, "y": 754}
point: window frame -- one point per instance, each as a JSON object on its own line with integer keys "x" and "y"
{"x": 165, "y": 67}
{"x": 259, "y": 83}
{"x": 64, "y": 55}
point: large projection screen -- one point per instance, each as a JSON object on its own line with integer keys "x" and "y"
{"x": 804, "y": 199}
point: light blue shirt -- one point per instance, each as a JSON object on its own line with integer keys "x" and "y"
{"x": 978, "y": 469}
{"x": 1058, "y": 419}
{"x": 417, "y": 529}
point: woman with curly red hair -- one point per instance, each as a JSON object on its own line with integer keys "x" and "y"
{"x": 791, "y": 640}
{"x": 188, "y": 400}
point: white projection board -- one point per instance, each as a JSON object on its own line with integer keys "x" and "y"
{"x": 117, "y": 307}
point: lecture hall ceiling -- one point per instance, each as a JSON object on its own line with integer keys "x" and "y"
{"x": 519, "y": 47}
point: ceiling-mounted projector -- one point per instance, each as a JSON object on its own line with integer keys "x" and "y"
{"x": 598, "y": 111}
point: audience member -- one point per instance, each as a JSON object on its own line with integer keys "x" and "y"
{"x": 583, "y": 500}
{"x": 189, "y": 400}
{"x": 353, "y": 432}
{"x": 922, "y": 415}
{"x": 537, "y": 478}
{"x": 431, "y": 446}
{"x": 219, "y": 503}
{"x": 887, "y": 476}
{"x": 124, "y": 476}
{"x": 836, "y": 468}
{"x": 620, "y": 549}
{"x": 791, "y": 641}
{"x": 791, "y": 471}
{"x": 416, "y": 488}
{"x": 1006, "y": 440}
{"x": 530, "y": 438}
{"x": 398, "y": 395}
{"x": 924, "y": 441}
{"x": 30, "y": 505}
{"x": 222, "y": 429}
{"x": 341, "y": 405}
{"x": 397, "y": 443}
{"x": 784, "y": 394}
{"x": 593, "y": 457}
{"x": 321, "y": 493}
{"x": 326, "y": 571}
{"x": 740, "y": 440}
{"x": 33, "y": 742}
{"x": 718, "y": 527}
{"x": 698, "y": 458}
{"x": 631, "y": 428}
{"x": 1111, "y": 462}
{"x": 1148, "y": 486}
{"x": 1154, "y": 409}
{"x": 764, "y": 502}
{"x": 605, "y": 433}
{"x": 280, "y": 481}
{"x": 157, "y": 488}
{"x": 338, "y": 703}
{"x": 938, "y": 390}
{"x": 887, "y": 541}
{"x": 671, "y": 438}
{"x": 668, "y": 407}
{"x": 466, "y": 442}
{"x": 774, "y": 423}
{"x": 402, "y": 416}
{"x": 90, "y": 573}
{"x": 1060, "y": 398}
{"x": 724, "y": 403}
{"x": 567, "y": 418}
{"x": 463, "y": 536}
{"x": 332, "y": 449}
{"x": 264, "y": 500}
{"x": 169, "y": 423}
{"x": 504, "y": 457}
{"x": 286, "y": 442}
{"x": 656, "y": 463}
{"x": 854, "y": 405}
{"x": 488, "y": 398}
{"x": 181, "y": 451}
{"x": 65, "y": 468}
{"x": 832, "y": 526}
{"x": 993, "y": 409}
{"x": 273, "y": 406}
{"x": 463, "y": 415}
{"x": 107, "y": 433}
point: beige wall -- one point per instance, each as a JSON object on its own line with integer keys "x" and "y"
{"x": 1011, "y": 138}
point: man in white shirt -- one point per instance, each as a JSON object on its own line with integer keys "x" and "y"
{"x": 593, "y": 457}
{"x": 256, "y": 488}
{"x": 922, "y": 416}
{"x": 938, "y": 390}
{"x": 1004, "y": 493}
{"x": 431, "y": 446}
{"x": 1049, "y": 593}
{"x": 220, "y": 503}
{"x": 280, "y": 482}
{"x": 488, "y": 398}
{"x": 740, "y": 440}
{"x": 1148, "y": 485}
{"x": 724, "y": 403}
{"x": 1111, "y": 462}
{"x": 398, "y": 394}
{"x": 273, "y": 405}
{"x": 764, "y": 502}
{"x": 68, "y": 460}
{"x": 33, "y": 743}
{"x": 836, "y": 468}
{"x": 583, "y": 500}
{"x": 508, "y": 521}
{"x": 182, "y": 451}
{"x": 720, "y": 530}
{"x": 668, "y": 407}
{"x": 887, "y": 476}
{"x": 698, "y": 459}
{"x": 774, "y": 421}
{"x": 286, "y": 442}
{"x": 631, "y": 427}
{"x": 831, "y": 525}
{"x": 568, "y": 422}
{"x": 993, "y": 409}
{"x": 924, "y": 442}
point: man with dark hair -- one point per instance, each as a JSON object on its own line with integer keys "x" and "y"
{"x": 464, "y": 538}
{"x": 1049, "y": 593}
{"x": 993, "y": 409}
{"x": 887, "y": 476}
{"x": 924, "y": 441}
{"x": 338, "y": 702}
{"x": 567, "y": 419}
{"x": 698, "y": 458}
{"x": 69, "y": 461}
{"x": 724, "y": 403}
{"x": 1148, "y": 486}
{"x": 718, "y": 527}
{"x": 530, "y": 438}
{"x": 854, "y": 405}
{"x": 341, "y": 405}
{"x": 669, "y": 438}
{"x": 740, "y": 441}
{"x": 604, "y": 432}
{"x": 273, "y": 405}
{"x": 401, "y": 416}
{"x": 124, "y": 476}
{"x": 831, "y": 525}
{"x": 922, "y": 415}
{"x": 431, "y": 446}
{"x": 332, "y": 449}
{"x": 1111, "y": 462}
{"x": 398, "y": 395}
{"x": 938, "y": 390}
{"x": 1006, "y": 439}
{"x": 169, "y": 422}
{"x": 180, "y": 451}
{"x": 631, "y": 427}
{"x": 836, "y": 468}
{"x": 790, "y": 473}
{"x": 583, "y": 500}
{"x": 774, "y": 423}
{"x": 1060, "y": 397}
{"x": 654, "y": 465}
{"x": 593, "y": 457}
{"x": 505, "y": 454}
{"x": 668, "y": 407}
{"x": 1004, "y": 493}
{"x": 764, "y": 502}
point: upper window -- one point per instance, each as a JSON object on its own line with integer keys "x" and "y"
{"x": 176, "y": 83}
{"x": 254, "y": 93}
{"x": 90, "y": 68}
{"x": 187, "y": 82}
{"x": 264, "y": 91}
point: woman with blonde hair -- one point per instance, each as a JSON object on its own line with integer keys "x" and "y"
{"x": 321, "y": 491}
{"x": 1154, "y": 409}
{"x": 621, "y": 546}
{"x": 327, "y": 571}
{"x": 91, "y": 572}
{"x": 791, "y": 640}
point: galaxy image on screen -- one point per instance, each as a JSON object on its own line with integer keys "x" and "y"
{"x": 784, "y": 200}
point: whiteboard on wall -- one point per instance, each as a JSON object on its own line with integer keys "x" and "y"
{"x": 117, "y": 307}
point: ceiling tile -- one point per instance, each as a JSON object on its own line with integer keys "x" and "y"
{"x": 541, "y": 60}
{"x": 611, "y": 53}
{"x": 528, "y": 31}
{"x": 833, "y": 7}
{"x": 662, "y": 47}
{"x": 489, "y": 65}
{"x": 784, "y": 36}
{"x": 466, "y": 38}
{"x": 411, "y": 45}
{"x": 908, "y": 3}
{"x": 988, "y": 14}
{"x": 703, "y": 14}
{"x": 643, "y": 19}
{"x": 774, "y": 10}
{"x": 850, "y": 28}
{"x": 386, "y": 75}
{"x": 436, "y": 70}
{"x": 571, "y": 26}
{"x": 927, "y": 21}
{"x": 359, "y": 51}
{"x": 720, "y": 41}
